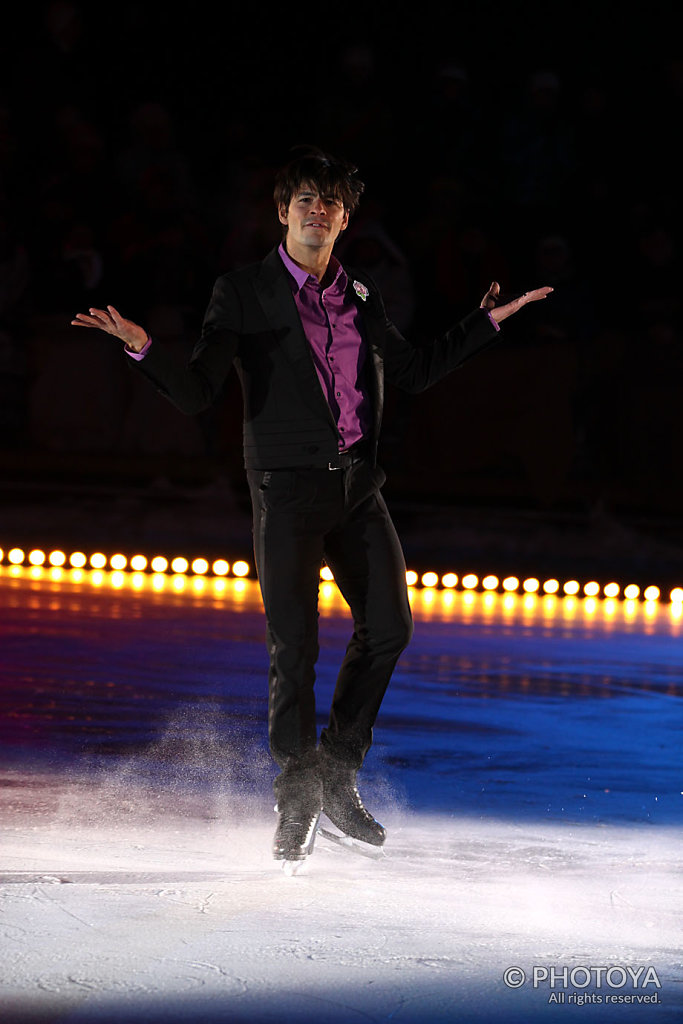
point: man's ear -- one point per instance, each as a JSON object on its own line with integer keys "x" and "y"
{"x": 282, "y": 213}
{"x": 345, "y": 222}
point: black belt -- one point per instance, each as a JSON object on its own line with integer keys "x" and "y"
{"x": 351, "y": 457}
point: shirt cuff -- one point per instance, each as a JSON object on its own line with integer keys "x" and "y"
{"x": 487, "y": 311}
{"x": 142, "y": 353}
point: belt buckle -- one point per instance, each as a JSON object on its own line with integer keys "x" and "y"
{"x": 331, "y": 467}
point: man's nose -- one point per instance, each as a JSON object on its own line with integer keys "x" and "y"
{"x": 317, "y": 205}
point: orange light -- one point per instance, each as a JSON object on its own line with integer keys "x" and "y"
{"x": 632, "y": 592}
{"x": 326, "y": 574}
{"x": 77, "y": 560}
{"x": 138, "y": 563}
{"x": 551, "y": 586}
{"x": 98, "y": 560}
{"x": 15, "y": 556}
{"x": 510, "y": 583}
{"x": 489, "y": 582}
{"x": 180, "y": 565}
{"x": 470, "y": 581}
{"x": 652, "y": 593}
{"x": 56, "y": 558}
{"x": 449, "y": 581}
{"x": 531, "y": 585}
{"x": 411, "y": 577}
{"x": 37, "y": 557}
{"x": 676, "y": 595}
{"x": 220, "y": 567}
{"x": 429, "y": 579}
{"x": 611, "y": 590}
{"x": 571, "y": 587}
{"x": 240, "y": 568}
{"x": 591, "y": 589}
{"x": 200, "y": 566}
{"x": 118, "y": 562}
{"x": 159, "y": 564}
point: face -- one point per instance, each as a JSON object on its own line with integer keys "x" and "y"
{"x": 313, "y": 220}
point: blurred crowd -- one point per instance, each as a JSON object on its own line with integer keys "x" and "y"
{"x": 136, "y": 177}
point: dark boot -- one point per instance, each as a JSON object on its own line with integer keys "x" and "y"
{"x": 343, "y": 805}
{"x": 299, "y": 802}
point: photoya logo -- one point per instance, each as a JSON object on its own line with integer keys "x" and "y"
{"x": 609, "y": 985}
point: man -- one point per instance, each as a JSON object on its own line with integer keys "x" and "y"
{"x": 312, "y": 345}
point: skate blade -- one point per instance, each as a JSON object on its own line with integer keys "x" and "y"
{"x": 293, "y": 867}
{"x": 355, "y": 845}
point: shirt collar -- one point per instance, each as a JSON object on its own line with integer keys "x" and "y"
{"x": 301, "y": 276}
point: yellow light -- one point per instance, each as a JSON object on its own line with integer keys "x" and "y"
{"x": 411, "y": 577}
{"x": 326, "y": 574}
{"x": 551, "y": 586}
{"x": 571, "y": 587}
{"x": 77, "y": 560}
{"x": 240, "y": 568}
{"x": 180, "y": 564}
{"x": 37, "y": 557}
{"x": 429, "y": 579}
{"x": 510, "y": 583}
{"x": 2, "y": 554}
{"x": 631, "y": 592}
{"x": 220, "y": 567}
{"x": 178, "y": 581}
{"x": 97, "y": 578}
{"x": 138, "y": 580}
{"x": 200, "y": 566}
{"x": 590, "y": 605}
{"x": 118, "y": 562}
{"x": 117, "y": 579}
{"x": 652, "y": 593}
{"x": 98, "y": 560}
{"x": 591, "y": 589}
{"x": 15, "y": 556}
{"x": 56, "y": 558}
{"x": 489, "y": 582}
{"x": 138, "y": 563}
{"x": 470, "y": 581}
{"x": 611, "y": 590}
{"x": 676, "y": 595}
{"x": 531, "y": 585}
{"x": 159, "y": 580}
{"x": 199, "y": 583}
{"x": 159, "y": 564}
{"x": 449, "y": 581}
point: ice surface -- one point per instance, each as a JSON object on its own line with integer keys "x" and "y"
{"x": 527, "y": 767}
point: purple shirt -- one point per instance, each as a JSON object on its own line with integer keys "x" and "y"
{"x": 331, "y": 324}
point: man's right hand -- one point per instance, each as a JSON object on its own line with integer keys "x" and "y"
{"x": 111, "y": 321}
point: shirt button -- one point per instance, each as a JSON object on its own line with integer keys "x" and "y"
{"x": 339, "y": 394}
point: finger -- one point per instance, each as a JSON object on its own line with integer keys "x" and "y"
{"x": 115, "y": 315}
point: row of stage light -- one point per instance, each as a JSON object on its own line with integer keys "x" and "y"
{"x": 220, "y": 568}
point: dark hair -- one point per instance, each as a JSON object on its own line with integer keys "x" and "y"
{"x": 311, "y": 166}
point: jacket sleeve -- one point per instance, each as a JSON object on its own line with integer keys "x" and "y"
{"x": 415, "y": 368}
{"x": 194, "y": 386}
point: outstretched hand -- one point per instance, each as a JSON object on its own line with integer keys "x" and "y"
{"x": 499, "y": 313}
{"x": 111, "y": 321}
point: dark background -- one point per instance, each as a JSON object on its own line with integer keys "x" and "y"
{"x": 531, "y": 144}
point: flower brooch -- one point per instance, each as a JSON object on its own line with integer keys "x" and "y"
{"x": 360, "y": 290}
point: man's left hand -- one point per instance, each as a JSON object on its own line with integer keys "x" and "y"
{"x": 501, "y": 312}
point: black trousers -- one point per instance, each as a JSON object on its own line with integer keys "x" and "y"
{"x": 302, "y": 517}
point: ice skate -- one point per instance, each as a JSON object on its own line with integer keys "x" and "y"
{"x": 343, "y": 805}
{"x": 295, "y": 834}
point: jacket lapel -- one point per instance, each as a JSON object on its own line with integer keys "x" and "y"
{"x": 274, "y": 293}
{"x": 373, "y": 330}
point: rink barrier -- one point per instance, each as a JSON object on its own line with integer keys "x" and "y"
{"x": 179, "y": 565}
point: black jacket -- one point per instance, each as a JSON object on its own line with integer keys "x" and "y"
{"x": 252, "y": 321}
